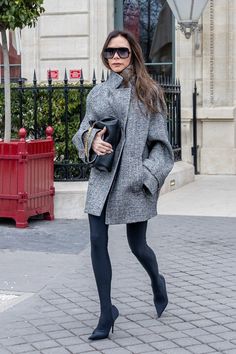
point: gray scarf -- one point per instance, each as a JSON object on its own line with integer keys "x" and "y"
{"x": 128, "y": 76}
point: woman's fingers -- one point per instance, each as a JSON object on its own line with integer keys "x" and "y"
{"x": 99, "y": 153}
{"x": 102, "y": 149}
{"x": 105, "y": 145}
{"x": 101, "y": 132}
{"x": 100, "y": 143}
{"x": 99, "y": 146}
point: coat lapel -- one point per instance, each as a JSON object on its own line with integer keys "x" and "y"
{"x": 120, "y": 97}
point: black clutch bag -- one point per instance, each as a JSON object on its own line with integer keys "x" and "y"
{"x": 111, "y": 136}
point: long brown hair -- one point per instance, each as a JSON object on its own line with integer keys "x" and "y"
{"x": 147, "y": 90}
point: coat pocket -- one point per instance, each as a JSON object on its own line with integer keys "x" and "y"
{"x": 150, "y": 183}
{"x": 136, "y": 183}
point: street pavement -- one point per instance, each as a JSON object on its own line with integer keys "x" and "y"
{"x": 48, "y": 298}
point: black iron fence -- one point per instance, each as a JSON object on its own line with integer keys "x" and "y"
{"x": 62, "y": 105}
{"x": 172, "y": 91}
{"x": 195, "y": 145}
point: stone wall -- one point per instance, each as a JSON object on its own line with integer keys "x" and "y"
{"x": 70, "y": 35}
{"x": 209, "y": 59}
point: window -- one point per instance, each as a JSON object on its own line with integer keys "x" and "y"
{"x": 15, "y": 61}
{"x": 152, "y": 24}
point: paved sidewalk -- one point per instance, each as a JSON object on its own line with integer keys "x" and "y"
{"x": 48, "y": 266}
{"x": 206, "y": 196}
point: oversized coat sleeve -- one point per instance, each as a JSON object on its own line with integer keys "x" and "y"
{"x": 160, "y": 161}
{"x": 79, "y": 138}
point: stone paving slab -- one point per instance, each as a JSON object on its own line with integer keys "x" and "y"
{"x": 197, "y": 256}
{"x": 11, "y": 299}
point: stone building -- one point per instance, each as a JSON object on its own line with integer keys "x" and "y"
{"x": 70, "y": 35}
{"x": 211, "y": 62}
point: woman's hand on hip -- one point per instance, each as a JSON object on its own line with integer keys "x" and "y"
{"x": 99, "y": 146}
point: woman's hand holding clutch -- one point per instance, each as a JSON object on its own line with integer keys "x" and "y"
{"x": 99, "y": 146}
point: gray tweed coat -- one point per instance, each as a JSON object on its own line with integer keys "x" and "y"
{"x": 143, "y": 158}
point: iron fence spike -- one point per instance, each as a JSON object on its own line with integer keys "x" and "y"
{"x": 34, "y": 78}
{"x": 81, "y": 77}
{"x": 94, "y": 77}
{"x": 65, "y": 77}
{"x": 102, "y": 79}
{"x": 49, "y": 77}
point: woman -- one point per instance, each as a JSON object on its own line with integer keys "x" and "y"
{"x": 142, "y": 160}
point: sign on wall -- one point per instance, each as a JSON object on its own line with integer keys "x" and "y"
{"x": 54, "y": 74}
{"x": 75, "y": 74}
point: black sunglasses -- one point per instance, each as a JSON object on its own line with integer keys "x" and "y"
{"x": 123, "y": 52}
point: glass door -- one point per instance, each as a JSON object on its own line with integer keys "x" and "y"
{"x": 152, "y": 24}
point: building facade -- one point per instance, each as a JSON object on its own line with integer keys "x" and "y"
{"x": 70, "y": 35}
{"x": 210, "y": 60}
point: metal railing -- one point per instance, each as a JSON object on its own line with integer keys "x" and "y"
{"x": 172, "y": 93}
{"x": 63, "y": 107}
{"x": 195, "y": 144}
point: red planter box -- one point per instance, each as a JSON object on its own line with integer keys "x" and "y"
{"x": 27, "y": 178}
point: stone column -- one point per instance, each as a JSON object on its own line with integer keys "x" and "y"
{"x": 30, "y": 56}
{"x": 101, "y": 23}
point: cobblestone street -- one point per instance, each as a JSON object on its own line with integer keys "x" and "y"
{"x": 196, "y": 254}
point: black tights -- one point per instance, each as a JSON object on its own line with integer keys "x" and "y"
{"x": 136, "y": 234}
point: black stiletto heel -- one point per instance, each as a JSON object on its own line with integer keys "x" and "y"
{"x": 160, "y": 297}
{"x": 102, "y": 333}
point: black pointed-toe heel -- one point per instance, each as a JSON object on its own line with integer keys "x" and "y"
{"x": 103, "y": 332}
{"x": 160, "y": 297}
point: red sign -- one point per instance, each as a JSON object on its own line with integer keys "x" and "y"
{"x": 54, "y": 74}
{"x": 75, "y": 74}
